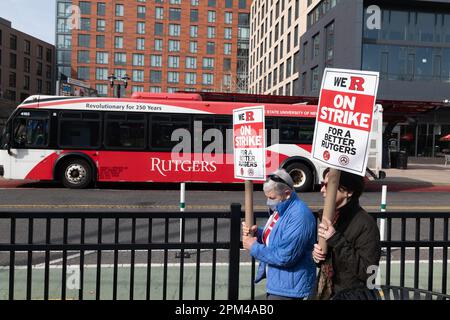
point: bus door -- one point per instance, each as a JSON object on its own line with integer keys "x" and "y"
{"x": 213, "y": 148}
{"x": 170, "y": 143}
{"x": 376, "y": 141}
{"x": 29, "y": 146}
{"x": 124, "y": 156}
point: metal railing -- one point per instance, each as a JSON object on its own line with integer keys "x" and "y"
{"x": 33, "y": 244}
{"x": 42, "y": 235}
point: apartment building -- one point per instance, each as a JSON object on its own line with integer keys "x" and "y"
{"x": 160, "y": 45}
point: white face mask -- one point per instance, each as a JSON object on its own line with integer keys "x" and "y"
{"x": 272, "y": 203}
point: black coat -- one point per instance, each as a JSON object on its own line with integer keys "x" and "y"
{"x": 354, "y": 247}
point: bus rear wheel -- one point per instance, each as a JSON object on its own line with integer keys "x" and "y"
{"x": 301, "y": 175}
{"x": 76, "y": 174}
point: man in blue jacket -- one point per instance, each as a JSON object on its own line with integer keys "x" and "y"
{"x": 284, "y": 245}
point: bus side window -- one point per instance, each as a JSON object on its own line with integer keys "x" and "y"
{"x": 296, "y": 131}
{"x": 164, "y": 126}
{"x": 20, "y": 132}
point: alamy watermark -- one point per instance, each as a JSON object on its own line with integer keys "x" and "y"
{"x": 73, "y": 278}
{"x": 373, "y": 17}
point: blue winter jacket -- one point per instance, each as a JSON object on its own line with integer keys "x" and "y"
{"x": 291, "y": 271}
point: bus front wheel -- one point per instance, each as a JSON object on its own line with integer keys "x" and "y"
{"x": 302, "y": 176}
{"x": 76, "y": 174}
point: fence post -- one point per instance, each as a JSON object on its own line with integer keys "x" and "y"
{"x": 235, "y": 244}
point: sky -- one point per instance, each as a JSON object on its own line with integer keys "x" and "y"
{"x": 34, "y": 17}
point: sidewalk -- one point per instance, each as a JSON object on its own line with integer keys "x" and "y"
{"x": 416, "y": 178}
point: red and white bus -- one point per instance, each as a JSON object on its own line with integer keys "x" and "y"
{"x": 149, "y": 138}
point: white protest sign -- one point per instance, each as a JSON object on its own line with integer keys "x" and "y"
{"x": 249, "y": 143}
{"x": 344, "y": 119}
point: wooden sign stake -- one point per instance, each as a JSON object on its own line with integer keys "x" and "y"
{"x": 330, "y": 201}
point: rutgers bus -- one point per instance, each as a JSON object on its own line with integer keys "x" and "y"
{"x": 150, "y": 137}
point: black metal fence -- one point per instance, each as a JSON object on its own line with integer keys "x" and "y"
{"x": 97, "y": 245}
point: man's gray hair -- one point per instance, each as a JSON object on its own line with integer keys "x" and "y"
{"x": 280, "y": 182}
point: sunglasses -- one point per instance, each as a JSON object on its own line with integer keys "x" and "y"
{"x": 276, "y": 178}
{"x": 325, "y": 184}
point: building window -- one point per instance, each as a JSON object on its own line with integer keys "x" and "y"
{"x": 155, "y": 89}
{"x": 174, "y": 62}
{"x": 26, "y": 46}
{"x": 174, "y": 30}
{"x": 13, "y": 42}
{"x": 190, "y": 78}
{"x": 101, "y": 74}
{"x": 228, "y": 17}
{"x": 208, "y": 63}
{"x": 208, "y": 79}
{"x": 155, "y": 60}
{"x": 26, "y": 64}
{"x": 194, "y": 15}
{"x": 101, "y": 25}
{"x": 159, "y": 29}
{"x": 226, "y": 64}
{"x": 120, "y": 73}
{"x": 173, "y": 77}
{"x": 138, "y": 60}
{"x": 158, "y": 44}
{"x": 193, "y": 47}
{"x": 227, "y": 48}
{"x": 84, "y": 40}
{"x": 194, "y": 3}
{"x": 175, "y": 1}
{"x": 329, "y": 44}
{"x": 193, "y": 31}
{"x": 12, "y": 60}
{"x": 120, "y": 58}
{"x": 141, "y": 12}
{"x": 303, "y": 88}
{"x": 102, "y": 58}
{"x": 119, "y": 10}
{"x": 140, "y": 28}
{"x": 316, "y": 46}
{"x": 174, "y": 46}
{"x": 138, "y": 76}
{"x": 304, "y": 56}
{"x": 12, "y": 79}
{"x": 85, "y": 7}
{"x": 191, "y": 63}
{"x": 212, "y": 16}
{"x": 100, "y": 42}
{"x": 159, "y": 13}
{"x": 315, "y": 79}
{"x": 83, "y": 56}
{"x": 211, "y": 32}
{"x": 228, "y": 33}
{"x": 85, "y": 24}
{"x": 288, "y": 67}
{"x": 155, "y": 76}
{"x": 174, "y": 14}
{"x": 140, "y": 44}
{"x": 211, "y": 3}
{"x": 210, "y": 48}
{"x": 83, "y": 73}
{"x": 102, "y": 89}
{"x": 118, "y": 26}
{"x": 137, "y": 89}
{"x": 101, "y": 8}
{"x": 26, "y": 83}
{"x": 242, "y": 4}
{"x": 118, "y": 42}
{"x": 296, "y": 36}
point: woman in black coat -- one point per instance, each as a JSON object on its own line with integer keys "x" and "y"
{"x": 353, "y": 241}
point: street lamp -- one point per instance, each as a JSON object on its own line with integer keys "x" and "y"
{"x": 112, "y": 81}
